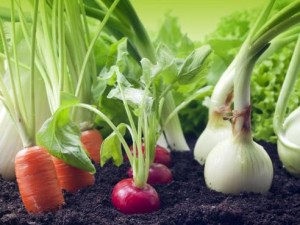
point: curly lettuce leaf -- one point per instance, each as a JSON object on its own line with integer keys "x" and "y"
{"x": 267, "y": 80}
{"x": 171, "y": 35}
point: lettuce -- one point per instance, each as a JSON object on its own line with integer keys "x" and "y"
{"x": 266, "y": 84}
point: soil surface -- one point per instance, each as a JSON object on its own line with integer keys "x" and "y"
{"x": 185, "y": 201}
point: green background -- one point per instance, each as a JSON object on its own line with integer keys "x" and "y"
{"x": 196, "y": 17}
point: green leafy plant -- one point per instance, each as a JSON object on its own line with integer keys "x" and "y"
{"x": 125, "y": 23}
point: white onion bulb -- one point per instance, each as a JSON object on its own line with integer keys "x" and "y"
{"x": 236, "y": 165}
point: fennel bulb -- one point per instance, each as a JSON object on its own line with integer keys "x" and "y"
{"x": 10, "y": 144}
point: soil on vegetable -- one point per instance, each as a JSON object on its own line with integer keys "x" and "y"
{"x": 185, "y": 201}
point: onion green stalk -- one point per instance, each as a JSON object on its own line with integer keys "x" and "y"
{"x": 287, "y": 130}
{"x": 258, "y": 40}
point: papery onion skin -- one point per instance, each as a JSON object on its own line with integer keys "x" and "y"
{"x": 235, "y": 166}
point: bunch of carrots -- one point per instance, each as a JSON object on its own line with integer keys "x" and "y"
{"x": 37, "y": 172}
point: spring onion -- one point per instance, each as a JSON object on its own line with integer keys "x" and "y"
{"x": 288, "y": 129}
{"x": 259, "y": 39}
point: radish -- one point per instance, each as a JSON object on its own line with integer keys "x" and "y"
{"x": 130, "y": 199}
{"x": 162, "y": 156}
{"x": 158, "y": 174}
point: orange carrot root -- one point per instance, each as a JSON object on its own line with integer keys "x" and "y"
{"x": 92, "y": 140}
{"x": 70, "y": 178}
{"x": 36, "y": 177}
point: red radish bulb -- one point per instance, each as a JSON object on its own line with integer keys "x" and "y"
{"x": 129, "y": 199}
{"x": 162, "y": 155}
{"x": 158, "y": 174}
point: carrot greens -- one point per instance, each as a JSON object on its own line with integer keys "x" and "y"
{"x": 74, "y": 72}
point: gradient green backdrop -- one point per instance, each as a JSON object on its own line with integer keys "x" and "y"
{"x": 196, "y": 17}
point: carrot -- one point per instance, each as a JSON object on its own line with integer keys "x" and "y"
{"x": 70, "y": 178}
{"x": 92, "y": 140}
{"x": 37, "y": 181}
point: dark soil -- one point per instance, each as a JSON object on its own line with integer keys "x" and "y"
{"x": 185, "y": 201}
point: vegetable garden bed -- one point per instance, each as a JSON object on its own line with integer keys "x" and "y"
{"x": 186, "y": 200}
{"x": 100, "y": 69}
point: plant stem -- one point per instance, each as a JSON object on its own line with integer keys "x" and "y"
{"x": 32, "y": 72}
{"x": 224, "y": 87}
{"x": 281, "y": 16}
{"x": 48, "y": 84}
{"x": 109, "y": 122}
{"x": 201, "y": 92}
{"x": 51, "y": 58}
{"x": 242, "y": 104}
{"x": 287, "y": 88}
{"x": 273, "y": 32}
{"x": 16, "y": 76}
{"x": 173, "y": 130}
{"x": 90, "y": 49}
{"x": 136, "y": 132}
